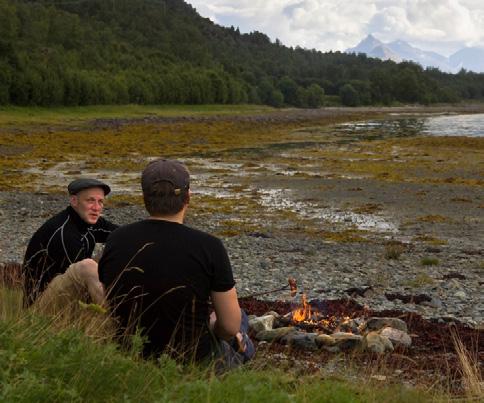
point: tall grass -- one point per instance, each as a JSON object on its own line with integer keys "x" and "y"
{"x": 472, "y": 382}
{"x": 62, "y": 359}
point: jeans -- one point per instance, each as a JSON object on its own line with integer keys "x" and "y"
{"x": 227, "y": 355}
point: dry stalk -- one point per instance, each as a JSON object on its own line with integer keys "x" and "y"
{"x": 469, "y": 368}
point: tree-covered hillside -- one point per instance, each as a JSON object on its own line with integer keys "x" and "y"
{"x": 79, "y": 52}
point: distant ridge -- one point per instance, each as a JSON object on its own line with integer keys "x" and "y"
{"x": 471, "y": 59}
{"x": 163, "y": 52}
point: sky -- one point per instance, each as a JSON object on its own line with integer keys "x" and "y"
{"x": 443, "y": 26}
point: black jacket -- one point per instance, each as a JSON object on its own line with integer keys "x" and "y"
{"x": 62, "y": 240}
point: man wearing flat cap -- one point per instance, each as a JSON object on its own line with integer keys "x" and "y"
{"x": 68, "y": 239}
{"x": 164, "y": 278}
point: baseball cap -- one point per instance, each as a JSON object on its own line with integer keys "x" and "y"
{"x": 85, "y": 183}
{"x": 171, "y": 171}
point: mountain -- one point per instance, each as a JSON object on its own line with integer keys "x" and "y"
{"x": 385, "y": 53}
{"x": 366, "y": 45}
{"x": 468, "y": 58}
{"x": 425, "y": 58}
{"x": 375, "y": 48}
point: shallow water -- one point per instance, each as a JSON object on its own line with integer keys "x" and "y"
{"x": 455, "y": 125}
{"x": 407, "y": 126}
{"x": 282, "y": 199}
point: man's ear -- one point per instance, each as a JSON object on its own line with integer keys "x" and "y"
{"x": 73, "y": 200}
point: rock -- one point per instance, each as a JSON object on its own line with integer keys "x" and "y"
{"x": 275, "y": 334}
{"x": 302, "y": 340}
{"x": 433, "y": 303}
{"x": 376, "y": 343}
{"x": 379, "y": 323}
{"x": 397, "y": 337}
{"x": 347, "y": 341}
{"x": 261, "y": 323}
{"x": 324, "y": 340}
{"x": 273, "y": 313}
{"x": 460, "y": 294}
{"x": 350, "y": 326}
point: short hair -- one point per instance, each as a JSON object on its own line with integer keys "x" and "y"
{"x": 162, "y": 198}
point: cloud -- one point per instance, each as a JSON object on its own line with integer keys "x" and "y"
{"x": 337, "y": 25}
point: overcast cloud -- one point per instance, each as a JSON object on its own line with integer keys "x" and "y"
{"x": 443, "y": 26}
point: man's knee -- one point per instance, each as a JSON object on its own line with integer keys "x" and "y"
{"x": 87, "y": 271}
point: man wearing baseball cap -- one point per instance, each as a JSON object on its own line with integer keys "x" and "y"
{"x": 164, "y": 278}
{"x": 68, "y": 239}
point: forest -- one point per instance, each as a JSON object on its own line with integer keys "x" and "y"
{"x": 86, "y": 52}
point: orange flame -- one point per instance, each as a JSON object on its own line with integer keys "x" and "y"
{"x": 308, "y": 316}
{"x": 302, "y": 314}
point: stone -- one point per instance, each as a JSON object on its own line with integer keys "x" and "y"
{"x": 302, "y": 340}
{"x": 380, "y": 323}
{"x": 274, "y": 334}
{"x": 349, "y": 326}
{"x": 273, "y": 313}
{"x": 433, "y": 303}
{"x": 460, "y": 294}
{"x": 261, "y": 323}
{"x": 376, "y": 343}
{"x": 397, "y": 337}
{"x": 347, "y": 341}
{"x": 324, "y": 340}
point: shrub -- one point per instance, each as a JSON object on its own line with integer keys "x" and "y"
{"x": 394, "y": 250}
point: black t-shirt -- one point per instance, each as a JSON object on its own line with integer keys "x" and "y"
{"x": 62, "y": 240}
{"x": 159, "y": 276}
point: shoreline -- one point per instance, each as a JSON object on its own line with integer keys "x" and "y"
{"x": 305, "y": 204}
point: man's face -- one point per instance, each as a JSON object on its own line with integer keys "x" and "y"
{"x": 89, "y": 203}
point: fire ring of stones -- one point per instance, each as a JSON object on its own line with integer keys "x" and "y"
{"x": 306, "y": 328}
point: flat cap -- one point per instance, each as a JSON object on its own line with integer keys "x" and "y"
{"x": 86, "y": 183}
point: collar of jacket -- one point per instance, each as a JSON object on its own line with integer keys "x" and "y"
{"x": 78, "y": 221}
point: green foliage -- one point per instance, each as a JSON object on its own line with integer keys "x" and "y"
{"x": 349, "y": 96}
{"x": 39, "y": 363}
{"x": 163, "y": 52}
{"x": 315, "y": 96}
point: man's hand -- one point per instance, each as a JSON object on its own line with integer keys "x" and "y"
{"x": 240, "y": 342}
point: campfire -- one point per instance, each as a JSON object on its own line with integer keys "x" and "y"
{"x": 308, "y": 326}
{"x": 307, "y": 317}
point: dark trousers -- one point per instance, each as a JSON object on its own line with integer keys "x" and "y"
{"x": 227, "y": 354}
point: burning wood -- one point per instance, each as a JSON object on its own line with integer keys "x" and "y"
{"x": 308, "y": 328}
{"x": 302, "y": 314}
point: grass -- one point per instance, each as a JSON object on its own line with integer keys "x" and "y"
{"x": 13, "y": 115}
{"x": 472, "y": 381}
{"x": 429, "y": 261}
{"x": 430, "y": 240}
{"x": 420, "y": 280}
{"x": 44, "y": 361}
{"x": 433, "y": 219}
{"x": 393, "y": 250}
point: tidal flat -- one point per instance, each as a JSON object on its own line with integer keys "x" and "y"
{"x": 350, "y": 202}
